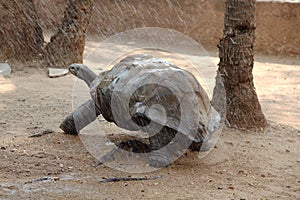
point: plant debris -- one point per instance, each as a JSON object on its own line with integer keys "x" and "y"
{"x": 43, "y": 179}
{"x": 117, "y": 179}
{"x": 44, "y": 132}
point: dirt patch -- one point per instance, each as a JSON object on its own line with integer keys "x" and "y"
{"x": 244, "y": 165}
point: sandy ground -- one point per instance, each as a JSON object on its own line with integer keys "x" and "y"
{"x": 243, "y": 165}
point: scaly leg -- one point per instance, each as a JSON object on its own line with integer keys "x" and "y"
{"x": 80, "y": 118}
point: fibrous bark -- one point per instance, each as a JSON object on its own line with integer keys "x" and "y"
{"x": 67, "y": 45}
{"x": 20, "y": 32}
{"x": 236, "y": 64}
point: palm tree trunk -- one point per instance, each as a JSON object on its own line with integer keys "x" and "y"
{"x": 20, "y": 32}
{"x": 236, "y": 64}
{"x": 67, "y": 45}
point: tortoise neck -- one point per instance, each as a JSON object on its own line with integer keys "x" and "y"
{"x": 88, "y": 76}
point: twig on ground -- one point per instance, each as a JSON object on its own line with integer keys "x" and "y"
{"x": 42, "y": 179}
{"x": 39, "y": 134}
{"x": 109, "y": 180}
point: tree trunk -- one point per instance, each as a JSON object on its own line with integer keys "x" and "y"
{"x": 21, "y": 35}
{"x": 67, "y": 45}
{"x": 236, "y": 64}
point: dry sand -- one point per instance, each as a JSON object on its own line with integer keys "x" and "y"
{"x": 243, "y": 165}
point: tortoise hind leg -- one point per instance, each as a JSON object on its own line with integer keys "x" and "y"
{"x": 161, "y": 157}
{"x": 134, "y": 146}
{"x": 126, "y": 148}
{"x": 165, "y": 151}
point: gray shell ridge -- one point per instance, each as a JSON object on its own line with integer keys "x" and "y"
{"x": 146, "y": 93}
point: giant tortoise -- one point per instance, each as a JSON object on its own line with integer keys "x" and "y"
{"x": 144, "y": 93}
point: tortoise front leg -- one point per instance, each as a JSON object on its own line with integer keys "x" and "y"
{"x": 80, "y": 118}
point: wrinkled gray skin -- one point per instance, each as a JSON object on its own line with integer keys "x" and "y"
{"x": 89, "y": 111}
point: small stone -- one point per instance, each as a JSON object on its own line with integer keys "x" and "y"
{"x": 209, "y": 180}
{"x": 231, "y": 187}
{"x": 221, "y": 171}
{"x": 5, "y": 70}
{"x": 229, "y": 143}
{"x": 2, "y": 148}
{"x": 56, "y": 72}
{"x": 21, "y": 99}
{"x": 263, "y": 175}
{"x": 125, "y": 184}
{"x": 142, "y": 190}
{"x": 287, "y": 150}
{"x": 220, "y": 188}
{"x": 155, "y": 184}
{"x": 61, "y": 165}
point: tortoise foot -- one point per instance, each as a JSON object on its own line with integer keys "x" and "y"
{"x": 206, "y": 146}
{"x": 159, "y": 159}
{"x": 68, "y": 125}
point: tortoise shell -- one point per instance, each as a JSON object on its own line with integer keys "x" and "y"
{"x": 146, "y": 93}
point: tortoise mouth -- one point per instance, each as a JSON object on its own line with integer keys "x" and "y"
{"x": 73, "y": 70}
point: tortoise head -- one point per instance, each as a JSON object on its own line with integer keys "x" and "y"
{"x": 82, "y": 72}
{"x": 78, "y": 70}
